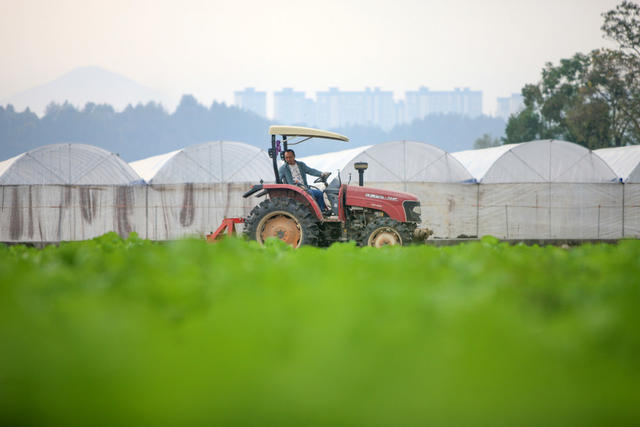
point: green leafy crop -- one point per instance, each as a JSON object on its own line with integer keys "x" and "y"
{"x": 128, "y": 332}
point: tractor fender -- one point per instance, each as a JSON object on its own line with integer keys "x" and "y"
{"x": 293, "y": 192}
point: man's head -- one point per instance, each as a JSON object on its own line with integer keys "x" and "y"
{"x": 290, "y": 157}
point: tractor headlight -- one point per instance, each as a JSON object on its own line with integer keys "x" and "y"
{"x": 412, "y": 210}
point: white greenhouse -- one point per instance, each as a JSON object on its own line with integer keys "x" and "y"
{"x": 192, "y": 189}
{"x": 67, "y": 192}
{"x": 625, "y": 161}
{"x": 545, "y": 189}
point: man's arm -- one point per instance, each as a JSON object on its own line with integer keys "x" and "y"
{"x": 308, "y": 170}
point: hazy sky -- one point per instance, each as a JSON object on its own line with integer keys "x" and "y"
{"x": 210, "y": 48}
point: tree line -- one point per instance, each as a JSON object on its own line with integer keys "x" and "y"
{"x": 147, "y": 130}
{"x": 136, "y": 132}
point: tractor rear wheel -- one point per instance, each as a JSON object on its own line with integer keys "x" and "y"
{"x": 282, "y": 218}
{"x": 385, "y": 232}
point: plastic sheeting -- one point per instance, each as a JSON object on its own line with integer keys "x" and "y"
{"x": 631, "y": 198}
{"x": 46, "y": 213}
{"x": 211, "y": 162}
{"x": 478, "y": 162}
{"x": 551, "y": 210}
{"x": 625, "y": 161}
{"x": 51, "y": 213}
{"x": 536, "y": 161}
{"x": 71, "y": 164}
{"x": 396, "y": 161}
{"x": 526, "y": 210}
{"x": 176, "y": 210}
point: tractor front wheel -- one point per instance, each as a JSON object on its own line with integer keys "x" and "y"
{"x": 385, "y": 232}
{"x": 282, "y": 218}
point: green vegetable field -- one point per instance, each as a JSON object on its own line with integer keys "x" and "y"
{"x": 128, "y": 332}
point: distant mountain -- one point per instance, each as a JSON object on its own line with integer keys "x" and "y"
{"x": 86, "y": 84}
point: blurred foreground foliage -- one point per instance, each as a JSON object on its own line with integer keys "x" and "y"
{"x": 112, "y": 332}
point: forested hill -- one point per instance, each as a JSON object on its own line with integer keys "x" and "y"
{"x": 147, "y": 130}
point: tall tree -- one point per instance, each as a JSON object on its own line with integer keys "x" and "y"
{"x": 486, "y": 141}
{"x": 623, "y": 26}
{"x": 525, "y": 126}
{"x": 591, "y": 99}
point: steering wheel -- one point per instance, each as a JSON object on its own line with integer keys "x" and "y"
{"x": 322, "y": 178}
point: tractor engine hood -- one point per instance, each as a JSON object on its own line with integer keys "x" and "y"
{"x": 397, "y": 205}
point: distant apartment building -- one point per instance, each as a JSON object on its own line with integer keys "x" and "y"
{"x": 293, "y": 107}
{"x": 423, "y": 102}
{"x": 401, "y": 112}
{"x": 328, "y": 108}
{"x": 336, "y": 108}
{"x": 383, "y": 108}
{"x": 251, "y": 100}
{"x": 510, "y": 105}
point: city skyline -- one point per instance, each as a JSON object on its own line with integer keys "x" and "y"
{"x": 101, "y": 86}
{"x": 98, "y": 85}
{"x": 372, "y": 106}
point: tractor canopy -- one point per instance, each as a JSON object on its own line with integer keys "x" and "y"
{"x": 307, "y": 133}
{"x": 279, "y": 147}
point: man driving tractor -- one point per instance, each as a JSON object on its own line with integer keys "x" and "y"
{"x": 369, "y": 216}
{"x": 295, "y": 173}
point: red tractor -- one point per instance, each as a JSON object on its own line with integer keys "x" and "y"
{"x": 370, "y": 216}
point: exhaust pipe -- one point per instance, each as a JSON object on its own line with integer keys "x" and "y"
{"x": 361, "y": 167}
